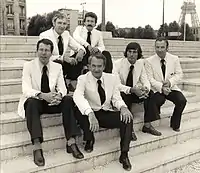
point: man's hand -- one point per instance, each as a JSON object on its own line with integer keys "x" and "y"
{"x": 48, "y": 97}
{"x": 95, "y": 50}
{"x": 79, "y": 55}
{"x": 125, "y": 115}
{"x": 94, "y": 124}
{"x": 89, "y": 47}
{"x": 138, "y": 91}
{"x": 166, "y": 90}
{"x": 57, "y": 99}
{"x": 167, "y": 83}
{"x": 70, "y": 60}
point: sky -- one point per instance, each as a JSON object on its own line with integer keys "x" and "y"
{"x": 122, "y": 13}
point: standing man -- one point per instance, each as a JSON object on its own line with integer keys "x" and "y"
{"x": 135, "y": 86}
{"x": 61, "y": 39}
{"x": 96, "y": 96}
{"x": 92, "y": 40}
{"x": 164, "y": 73}
{"x": 44, "y": 91}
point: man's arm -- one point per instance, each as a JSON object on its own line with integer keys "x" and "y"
{"x": 79, "y": 98}
{"x": 78, "y": 38}
{"x": 27, "y": 88}
{"x": 100, "y": 45}
{"x": 75, "y": 46}
{"x": 144, "y": 79}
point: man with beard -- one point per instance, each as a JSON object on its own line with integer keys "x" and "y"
{"x": 92, "y": 40}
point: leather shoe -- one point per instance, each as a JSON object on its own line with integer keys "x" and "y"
{"x": 125, "y": 162}
{"x": 175, "y": 129}
{"x": 75, "y": 151}
{"x": 38, "y": 157}
{"x": 134, "y": 137}
{"x": 151, "y": 130}
{"x": 89, "y": 146}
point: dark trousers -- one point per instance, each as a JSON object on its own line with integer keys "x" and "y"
{"x": 34, "y": 108}
{"x": 107, "y": 119}
{"x": 150, "y": 112}
{"x": 158, "y": 99}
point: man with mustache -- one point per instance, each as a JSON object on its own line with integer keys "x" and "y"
{"x": 92, "y": 40}
{"x": 62, "y": 40}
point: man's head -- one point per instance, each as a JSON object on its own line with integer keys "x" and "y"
{"x": 59, "y": 22}
{"x": 44, "y": 50}
{"x": 161, "y": 47}
{"x": 133, "y": 52}
{"x": 97, "y": 63}
{"x": 90, "y": 20}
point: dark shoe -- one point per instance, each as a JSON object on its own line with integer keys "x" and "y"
{"x": 89, "y": 146}
{"x": 38, "y": 157}
{"x": 134, "y": 137}
{"x": 175, "y": 129}
{"x": 75, "y": 151}
{"x": 125, "y": 162}
{"x": 151, "y": 130}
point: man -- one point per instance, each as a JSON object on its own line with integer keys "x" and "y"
{"x": 135, "y": 87}
{"x": 164, "y": 73}
{"x": 92, "y": 40}
{"x": 61, "y": 39}
{"x": 44, "y": 91}
{"x": 96, "y": 96}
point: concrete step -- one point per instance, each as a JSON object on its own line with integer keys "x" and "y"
{"x": 18, "y": 144}
{"x": 192, "y": 85}
{"x": 191, "y": 73}
{"x": 106, "y": 151}
{"x": 9, "y": 103}
{"x": 10, "y": 122}
{"x": 173, "y": 157}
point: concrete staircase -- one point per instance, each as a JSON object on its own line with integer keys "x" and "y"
{"x": 147, "y": 154}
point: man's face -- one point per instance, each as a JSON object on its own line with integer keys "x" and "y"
{"x": 161, "y": 48}
{"x": 60, "y": 25}
{"x": 90, "y": 23}
{"x": 96, "y": 67}
{"x": 44, "y": 53}
{"x": 132, "y": 55}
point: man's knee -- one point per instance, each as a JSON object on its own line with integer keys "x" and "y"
{"x": 181, "y": 101}
{"x": 68, "y": 100}
{"x": 32, "y": 102}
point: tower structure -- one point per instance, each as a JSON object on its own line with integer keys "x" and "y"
{"x": 189, "y": 7}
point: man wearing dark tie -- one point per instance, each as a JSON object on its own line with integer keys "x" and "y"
{"x": 61, "y": 39}
{"x": 97, "y": 97}
{"x": 164, "y": 73}
{"x": 92, "y": 40}
{"x": 135, "y": 86}
{"x": 44, "y": 91}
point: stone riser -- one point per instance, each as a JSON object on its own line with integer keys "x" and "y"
{"x": 11, "y": 74}
{"x": 58, "y": 141}
{"x": 191, "y": 74}
{"x": 191, "y": 87}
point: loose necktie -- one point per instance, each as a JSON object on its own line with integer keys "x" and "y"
{"x": 101, "y": 92}
{"x": 45, "y": 81}
{"x": 163, "y": 67}
{"x": 60, "y": 45}
{"x": 88, "y": 37}
{"x": 129, "y": 80}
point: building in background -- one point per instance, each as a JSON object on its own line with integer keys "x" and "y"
{"x": 13, "y": 17}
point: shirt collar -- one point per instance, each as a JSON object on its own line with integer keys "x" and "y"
{"x": 56, "y": 34}
{"x": 87, "y": 30}
{"x": 42, "y": 65}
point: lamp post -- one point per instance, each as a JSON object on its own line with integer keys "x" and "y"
{"x": 83, "y": 9}
{"x": 163, "y": 18}
{"x": 103, "y": 27}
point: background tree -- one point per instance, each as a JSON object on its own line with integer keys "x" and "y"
{"x": 148, "y": 32}
{"x": 139, "y": 33}
{"x": 189, "y": 34}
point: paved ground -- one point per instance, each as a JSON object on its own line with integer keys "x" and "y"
{"x": 193, "y": 167}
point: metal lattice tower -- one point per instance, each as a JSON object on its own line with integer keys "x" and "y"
{"x": 189, "y": 7}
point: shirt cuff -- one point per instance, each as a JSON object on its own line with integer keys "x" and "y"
{"x": 88, "y": 111}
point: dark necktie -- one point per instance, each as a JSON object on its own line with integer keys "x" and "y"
{"x": 101, "y": 92}
{"x": 45, "y": 81}
{"x": 129, "y": 80}
{"x": 60, "y": 45}
{"x": 88, "y": 37}
{"x": 163, "y": 67}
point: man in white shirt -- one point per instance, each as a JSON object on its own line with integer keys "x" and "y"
{"x": 92, "y": 40}
{"x": 164, "y": 73}
{"x": 99, "y": 104}
{"x": 135, "y": 86}
{"x": 61, "y": 39}
{"x": 44, "y": 91}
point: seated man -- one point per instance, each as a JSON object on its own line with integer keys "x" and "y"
{"x": 96, "y": 96}
{"x": 164, "y": 73}
{"x": 61, "y": 39}
{"x": 135, "y": 87}
{"x": 92, "y": 40}
{"x": 44, "y": 91}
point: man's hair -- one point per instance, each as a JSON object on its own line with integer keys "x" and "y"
{"x": 58, "y": 15}
{"x": 46, "y": 42}
{"x": 163, "y": 39}
{"x": 98, "y": 55}
{"x": 134, "y": 46}
{"x": 92, "y": 15}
